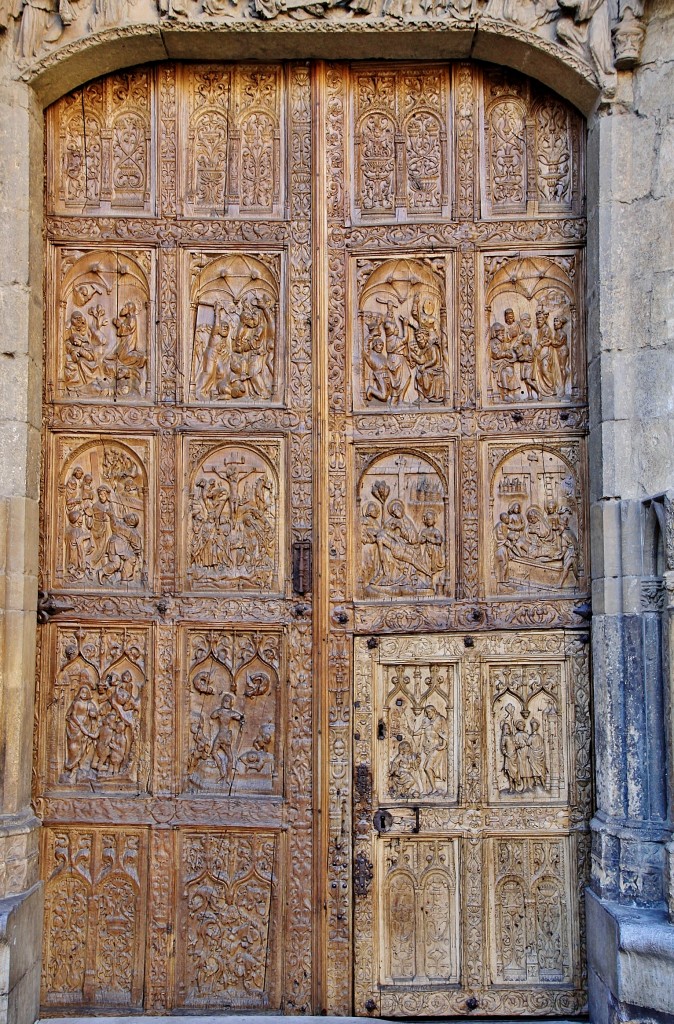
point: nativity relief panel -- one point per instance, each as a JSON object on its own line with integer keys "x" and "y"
{"x": 404, "y": 522}
{"x": 230, "y": 140}
{"x": 530, "y": 151}
{"x": 95, "y": 735}
{"x": 531, "y": 911}
{"x": 527, "y": 707}
{"x": 228, "y": 919}
{"x": 401, "y": 348}
{"x": 102, "y": 325}
{"x": 233, "y": 329}
{"x": 232, "y": 712}
{"x": 94, "y": 924}
{"x": 232, "y": 518}
{"x": 101, "y": 512}
{"x": 419, "y": 913}
{"x": 532, "y": 330}
{"x": 101, "y": 148}
{"x": 416, "y": 724}
{"x": 400, "y": 150}
{"x": 534, "y": 531}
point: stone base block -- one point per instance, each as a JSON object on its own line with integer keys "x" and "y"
{"x": 20, "y": 956}
{"x": 631, "y": 963}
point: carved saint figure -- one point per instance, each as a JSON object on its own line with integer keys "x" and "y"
{"x": 221, "y": 745}
{"x": 237, "y": 361}
{"x": 434, "y": 736}
{"x": 404, "y": 770}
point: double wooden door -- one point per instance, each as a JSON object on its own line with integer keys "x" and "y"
{"x": 312, "y": 714}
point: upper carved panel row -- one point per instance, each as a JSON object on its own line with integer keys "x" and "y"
{"x": 216, "y": 137}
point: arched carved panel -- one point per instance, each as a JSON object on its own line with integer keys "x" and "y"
{"x": 233, "y": 328}
{"x": 101, "y": 511}
{"x": 401, "y": 350}
{"x": 535, "y": 535}
{"x": 404, "y": 525}
{"x": 228, "y": 914}
{"x": 233, "y": 520}
{"x": 533, "y": 347}
{"x": 103, "y": 310}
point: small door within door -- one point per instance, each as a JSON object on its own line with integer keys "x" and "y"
{"x": 466, "y": 863}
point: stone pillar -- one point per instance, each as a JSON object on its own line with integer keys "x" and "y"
{"x": 631, "y": 350}
{"x": 20, "y": 413}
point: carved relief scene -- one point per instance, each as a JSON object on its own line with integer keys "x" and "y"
{"x": 401, "y": 354}
{"x": 536, "y": 529}
{"x": 233, "y": 145}
{"x": 232, "y": 714}
{"x": 94, "y": 932}
{"x": 532, "y": 330}
{"x": 530, "y": 883}
{"x": 527, "y": 724}
{"x": 102, "y": 514}
{"x": 417, "y": 715}
{"x": 227, "y": 918}
{"x": 403, "y": 525}
{"x": 420, "y": 912}
{"x": 95, "y": 733}
{"x": 234, "y": 328}
{"x": 102, "y": 152}
{"x": 232, "y": 518}
{"x": 531, "y": 146}
{"x": 400, "y": 142}
{"x": 103, "y": 309}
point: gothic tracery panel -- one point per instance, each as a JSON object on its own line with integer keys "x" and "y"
{"x": 232, "y": 714}
{"x": 94, "y": 928}
{"x": 231, "y": 123}
{"x": 401, "y": 127}
{"x": 102, "y": 146}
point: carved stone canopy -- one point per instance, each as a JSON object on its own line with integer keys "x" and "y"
{"x": 575, "y": 47}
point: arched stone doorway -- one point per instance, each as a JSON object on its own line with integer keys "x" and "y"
{"x": 338, "y": 305}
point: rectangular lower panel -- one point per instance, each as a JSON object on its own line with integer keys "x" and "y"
{"x": 228, "y": 916}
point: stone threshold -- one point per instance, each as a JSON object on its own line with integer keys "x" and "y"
{"x": 252, "y": 1018}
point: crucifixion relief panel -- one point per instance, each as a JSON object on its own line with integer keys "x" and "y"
{"x": 314, "y": 529}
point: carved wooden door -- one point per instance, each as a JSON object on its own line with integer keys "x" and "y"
{"x": 457, "y": 539}
{"x": 289, "y": 304}
{"x": 177, "y": 482}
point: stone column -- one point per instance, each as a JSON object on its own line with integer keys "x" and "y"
{"x": 20, "y": 413}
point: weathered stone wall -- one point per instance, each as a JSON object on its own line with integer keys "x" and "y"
{"x": 631, "y": 360}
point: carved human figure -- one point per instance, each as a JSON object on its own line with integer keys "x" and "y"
{"x": 425, "y": 352}
{"x": 434, "y": 737}
{"x": 516, "y": 528}
{"x": 502, "y": 359}
{"x": 501, "y": 551}
{"x": 521, "y": 741}
{"x": 82, "y": 361}
{"x": 222, "y": 743}
{"x": 585, "y": 27}
{"x": 568, "y": 548}
{"x": 544, "y": 353}
{"x": 130, "y": 358}
{"x": 537, "y": 755}
{"x": 214, "y": 373}
{"x": 251, "y": 353}
{"x": 397, "y": 354}
{"x": 398, "y": 544}
{"x": 509, "y": 754}
{"x": 404, "y": 770}
{"x": 378, "y": 384}
{"x": 524, "y": 354}
{"x": 81, "y": 727}
{"x": 123, "y": 550}
{"x": 432, "y": 543}
{"x": 560, "y": 341}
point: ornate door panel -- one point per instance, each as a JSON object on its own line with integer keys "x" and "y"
{"x": 177, "y": 480}
{"x": 455, "y": 424}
